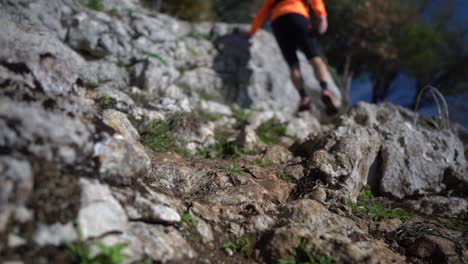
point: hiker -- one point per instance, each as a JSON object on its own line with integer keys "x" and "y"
{"x": 293, "y": 30}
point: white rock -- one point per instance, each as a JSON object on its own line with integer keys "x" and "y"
{"x": 55, "y": 234}
{"x": 100, "y": 212}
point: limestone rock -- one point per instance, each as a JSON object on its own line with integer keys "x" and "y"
{"x": 440, "y": 206}
{"x": 100, "y": 212}
{"x": 249, "y": 141}
{"x": 121, "y": 162}
{"x": 71, "y": 144}
{"x": 342, "y": 158}
{"x": 120, "y": 123}
{"x": 56, "y": 234}
{"x": 16, "y": 184}
{"x": 161, "y": 243}
{"x": 418, "y": 157}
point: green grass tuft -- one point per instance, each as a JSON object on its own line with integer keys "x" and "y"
{"x": 106, "y": 101}
{"x": 158, "y": 136}
{"x": 188, "y": 228}
{"x": 264, "y": 163}
{"x": 241, "y": 245}
{"x": 96, "y": 5}
{"x": 283, "y": 176}
{"x": 241, "y": 115}
{"x": 234, "y": 168}
{"x": 270, "y": 132}
{"x": 302, "y": 255}
{"x": 366, "y": 193}
{"x": 376, "y": 211}
{"x": 81, "y": 253}
{"x": 156, "y": 56}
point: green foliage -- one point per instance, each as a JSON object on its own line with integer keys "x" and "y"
{"x": 419, "y": 49}
{"x": 205, "y": 95}
{"x": 115, "y": 13}
{"x": 283, "y": 176}
{"x": 271, "y": 131}
{"x": 191, "y": 10}
{"x": 375, "y": 210}
{"x": 158, "y": 136}
{"x": 241, "y": 115}
{"x": 96, "y": 5}
{"x": 188, "y": 228}
{"x": 156, "y": 56}
{"x": 234, "y": 168}
{"x": 366, "y": 193}
{"x": 241, "y": 245}
{"x": 302, "y": 255}
{"x": 206, "y": 116}
{"x": 264, "y": 163}
{"x": 106, "y": 101}
{"x": 81, "y": 253}
{"x": 458, "y": 225}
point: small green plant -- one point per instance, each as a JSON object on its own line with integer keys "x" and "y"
{"x": 458, "y": 225}
{"x": 264, "y": 163}
{"x": 106, "y": 101}
{"x": 156, "y": 56}
{"x": 158, "y": 136}
{"x": 188, "y": 228}
{"x": 233, "y": 168}
{"x": 376, "y": 211}
{"x": 241, "y": 115}
{"x": 302, "y": 255}
{"x": 205, "y": 95}
{"x": 366, "y": 193}
{"x": 237, "y": 152}
{"x": 207, "y": 116}
{"x": 283, "y": 176}
{"x": 241, "y": 245}
{"x": 96, "y": 5}
{"x": 81, "y": 253}
{"x": 271, "y": 131}
{"x": 115, "y": 13}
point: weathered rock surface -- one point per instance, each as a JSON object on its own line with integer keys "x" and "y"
{"x": 72, "y": 78}
{"x": 418, "y": 156}
{"x": 342, "y": 159}
{"x": 441, "y": 206}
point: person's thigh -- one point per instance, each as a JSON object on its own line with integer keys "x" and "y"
{"x": 286, "y": 36}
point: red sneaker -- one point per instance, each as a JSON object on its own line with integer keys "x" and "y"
{"x": 305, "y": 104}
{"x": 330, "y": 103}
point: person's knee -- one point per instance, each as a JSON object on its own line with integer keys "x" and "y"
{"x": 316, "y": 61}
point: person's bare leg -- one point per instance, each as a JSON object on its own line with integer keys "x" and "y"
{"x": 296, "y": 78}
{"x": 321, "y": 73}
{"x": 320, "y": 69}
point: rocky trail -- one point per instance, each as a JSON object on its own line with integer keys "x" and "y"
{"x": 128, "y": 136}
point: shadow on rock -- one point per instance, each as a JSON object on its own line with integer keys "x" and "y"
{"x": 232, "y": 65}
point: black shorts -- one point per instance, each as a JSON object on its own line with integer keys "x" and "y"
{"x": 294, "y": 31}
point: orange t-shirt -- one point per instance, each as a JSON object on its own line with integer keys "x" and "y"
{"x": 285, "y": 7}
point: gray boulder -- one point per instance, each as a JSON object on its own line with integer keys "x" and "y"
{"x": 100, "y": 212}
{"x": 45, "y": 135}
{"x": 418, "y": 155}
{"x": 341, "y": 159}
{"x": 440, "y": 206}
{"x": 16, "y": 184}
{"x": 121, "y": 161}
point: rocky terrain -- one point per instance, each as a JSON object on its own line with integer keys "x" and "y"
{"x": 128, "y": 136}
